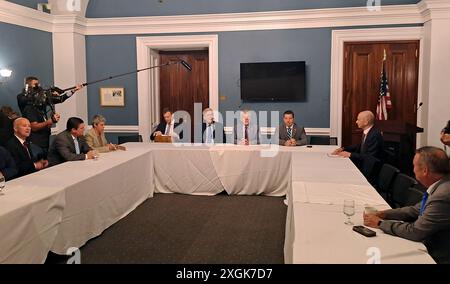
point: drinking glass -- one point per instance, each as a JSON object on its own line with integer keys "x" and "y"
{"x": 349, "y": 210}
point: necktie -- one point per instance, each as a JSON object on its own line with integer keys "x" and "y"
{"x": 210, "y": 134}
{"x": 424, "y": 201}
{"x": 363, "y": 141}
{"x": 168, "y": 129}
{"x": 246, "y": 133}
{"x": 289, "y": 131}
{"x": 25, "y": 146}
{"x": 77, "y": 146}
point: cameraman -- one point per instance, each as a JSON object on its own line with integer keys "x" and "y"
{"x": 39, "y": 117}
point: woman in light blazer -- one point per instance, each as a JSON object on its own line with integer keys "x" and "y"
{"x": 95, "y": 137}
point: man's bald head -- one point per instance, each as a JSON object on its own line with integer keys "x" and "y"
{"x": 22, "y": 128}
{"x": 366, "y": 119}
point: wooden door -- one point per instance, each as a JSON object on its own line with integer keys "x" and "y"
{"x": 362, "y": 79}
{"x": 180, "y": 88}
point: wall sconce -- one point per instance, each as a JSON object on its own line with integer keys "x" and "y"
{"x": 4, "y": 74}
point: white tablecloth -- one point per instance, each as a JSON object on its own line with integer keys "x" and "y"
{"x": 100, "y": 193}
{"x": 319, "y": 166}
{"x": 29, "y": 219}
{"x": 184, "y": 169}
{"x": 67, "y": 205}
{"x": 315, "y": 229}
{"x": 252, "y": 170}
{"x": 322, "y": 237}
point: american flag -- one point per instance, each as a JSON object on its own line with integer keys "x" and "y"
{"x": 384, "y": 99}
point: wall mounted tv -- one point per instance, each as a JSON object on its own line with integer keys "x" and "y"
{"x": 273, "y": 81}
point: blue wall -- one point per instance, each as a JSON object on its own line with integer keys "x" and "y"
{"x": 26, "y": 52}
{"x": 28, "y": 3}
{"x": 131, "y": 8}
{"x": 109, "y": 55}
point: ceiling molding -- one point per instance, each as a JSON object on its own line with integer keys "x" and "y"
{"x": 296, "y": 19}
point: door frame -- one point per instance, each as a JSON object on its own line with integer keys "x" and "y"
{"x": 148, "y": 82}
{"x": 339, "y": 38}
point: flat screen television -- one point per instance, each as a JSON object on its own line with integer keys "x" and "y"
{"x": 273, "y": 81}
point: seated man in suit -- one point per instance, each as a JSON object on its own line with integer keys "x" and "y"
{"x": 95, "y": 137}
{"x": 371, "y": 145}
{"x": 246, "y": 132}
{"x": 21, "y": 151}
{"x": 7, "y": 165}
{"x": 429, "y": 220}
{"x": 167, "y": 127}
{"x": 290, "y": 133}
{"x": 213, "y": 132}
{"x": 70, "y": 144}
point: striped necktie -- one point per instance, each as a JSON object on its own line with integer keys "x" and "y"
{"x": 289, "y": 132}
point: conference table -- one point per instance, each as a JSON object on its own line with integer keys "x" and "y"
{"x": 61, "y": 208}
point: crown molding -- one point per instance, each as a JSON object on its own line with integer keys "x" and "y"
{"x": 295, "y": 19}
{"x": 14, "y": 14}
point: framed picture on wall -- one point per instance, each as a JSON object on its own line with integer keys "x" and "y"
{"x": 112, "y": 97}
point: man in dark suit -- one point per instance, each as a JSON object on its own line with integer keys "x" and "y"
{"x": 70, "y": 145}
{"x": 246, "y": 132}
{"x": 212, "y": 132}
{"x": 167, "y": 127}
{"x": 429, "y": 220}
{"x": 21, "y": 151}
{"x": 371, "y": 145}
{"x": 290, "y": 133}
{"x": 7, "y": 166}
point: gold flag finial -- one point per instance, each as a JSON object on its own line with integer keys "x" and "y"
{"x": 385, "y": 55}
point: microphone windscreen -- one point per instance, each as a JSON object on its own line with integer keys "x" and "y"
{"x": 186, "y": 65}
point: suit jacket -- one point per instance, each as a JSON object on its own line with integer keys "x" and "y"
{"x": 218, "y": 133}
{"x": 93, "y": 140}
{"x": 253, "y": 134}
{"x": 23, "y": 160}
{"x": 432, "y": 228}
{"x": 373, "y": 147}
{"x": 162, "y": 128}
{"x": 7, "y": 164}
{"x": 63, "y": 149}
{"x": 298, "y": 133}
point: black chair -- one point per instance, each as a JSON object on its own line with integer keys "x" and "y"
{"x": 400, "y": 190}
{"x": 131, "y": 138}
{"x": 334, "y": 141}
{"x": 322, "y": 140}
{"x": 371, "y": 167}
{"x": 385, "y": 179}
{"x": 414, "y": 196}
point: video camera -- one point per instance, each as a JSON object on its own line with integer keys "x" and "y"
{"x": 40, "y": 97}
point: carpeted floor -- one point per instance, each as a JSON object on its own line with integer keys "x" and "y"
{"x": 183, "y": 229}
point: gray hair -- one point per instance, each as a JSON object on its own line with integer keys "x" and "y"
{"x": 98, "y": 119}
{"x": 435, "y": 159}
